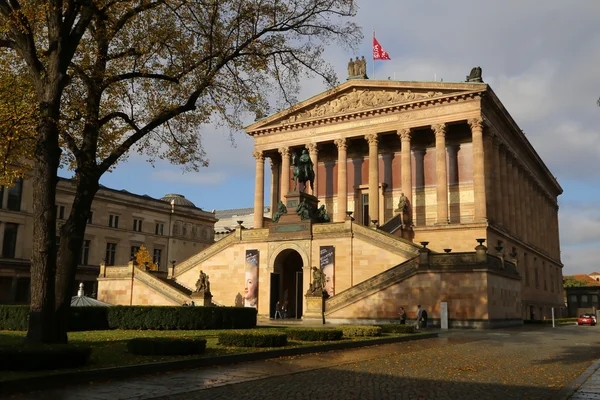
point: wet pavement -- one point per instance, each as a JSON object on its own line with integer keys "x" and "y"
{"x": 525, "y": 363}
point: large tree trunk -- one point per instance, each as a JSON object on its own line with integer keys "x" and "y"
{"x": 43, "y": 257}
{"x": 70, "y": 249}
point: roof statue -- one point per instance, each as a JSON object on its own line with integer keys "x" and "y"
{"x": 357, "y": 69}
{"x": 475, "y": 75}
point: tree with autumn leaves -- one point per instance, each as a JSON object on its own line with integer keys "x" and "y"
{"x": 106, "y": 77}
{"x": 143, "y": 259}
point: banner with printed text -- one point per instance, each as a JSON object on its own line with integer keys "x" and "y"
{"x": 251, "y": 279}
{"x": 327, "y": 262}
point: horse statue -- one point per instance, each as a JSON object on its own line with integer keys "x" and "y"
{"x": 303, "y": 170}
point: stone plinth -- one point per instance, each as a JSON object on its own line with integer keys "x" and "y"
{"x": 292, "y": 200}
{"x": 202, "y": 299}
{"x": 314, "y": 307}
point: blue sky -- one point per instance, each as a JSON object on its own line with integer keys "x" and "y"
{"x": 541, "y": 59}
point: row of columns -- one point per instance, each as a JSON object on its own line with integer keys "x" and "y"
{"x": 521, "y": 206}
{"x": 440, "y": 130}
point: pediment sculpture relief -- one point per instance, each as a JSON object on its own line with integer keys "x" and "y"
{"x": 359, "y": 99}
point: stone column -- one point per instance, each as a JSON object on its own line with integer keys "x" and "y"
{"x": 406, "y": 168}
{"x": 275, "y": 166}
{"x": 504, "y": 178}
{"x": 313, "y": 152}
{"x": 518, "y": 199}
{"x": 528, "y": 198}
{"x": 373, "y": 177}
{"x": 511, "y": 194}
{"x": 498, "y": 187}
{"x": 441, "y": 173}
{"x": 342, "y": 181}
{"x": 520, "y": 202}
{"x": 259, "y": 189}
{"x": 453, "y": 183}
{"x": 476, "y": 125}
{"x": 488, "y": 174}
{"x": 285, "y": 172}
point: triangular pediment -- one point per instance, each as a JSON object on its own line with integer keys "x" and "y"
{"x": 358, "y": 96}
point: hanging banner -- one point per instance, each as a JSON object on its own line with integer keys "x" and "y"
{"x": 251, "y": 279}
{"x": 327, "y": 262}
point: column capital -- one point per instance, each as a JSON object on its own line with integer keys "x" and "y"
{"x": 259, "y": 155}
{"x": 404, "y": 134}
{"x": 284, "y": 151}
{"x": 312, "y": 148}
{"x": 342, "y": 144}
{"x": 475, "y": 123}
{"x": 439, "y": 130}
{"x": 372, "y": 138}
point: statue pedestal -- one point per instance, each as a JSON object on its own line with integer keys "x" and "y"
{"x": 202, "y": 299}
{"x": 314, "y": 308}
{"x": 292, "y": 200}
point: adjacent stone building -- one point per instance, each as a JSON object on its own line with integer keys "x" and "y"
{"x": 228, "y": 220}
{"x": 468, "y": 173}
{"x": 171, "y": 228}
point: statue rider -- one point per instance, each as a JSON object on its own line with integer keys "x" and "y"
{"x": 306, "y": 163}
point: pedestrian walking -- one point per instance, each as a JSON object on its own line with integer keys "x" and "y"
{"x": 278, "y": 310}
{"x": 402, "y": 314}
{"x": 419, "y": 315}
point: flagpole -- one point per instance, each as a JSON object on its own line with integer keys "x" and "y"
{"x": 373, "y": 56}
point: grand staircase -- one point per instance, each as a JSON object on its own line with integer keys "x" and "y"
{"x": 372, "y": 285}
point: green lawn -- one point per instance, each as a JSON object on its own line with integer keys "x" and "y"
{"x": 109, "y": 348}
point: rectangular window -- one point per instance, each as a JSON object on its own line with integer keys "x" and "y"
{"x": 573, "y": 299}
{"x": 85, "y": 253}
{"x": 137, "y": 225}
{"x": 14, "y": 195}
{"x": 526, "y": 266}
{"x": 157, "y": 256}
{"x": 159, "y": 229}
{"x": 9, "y": 245}
{"x": 134, "y": 250}
{"x": 111, "y": 250}
{"x": 544, "y": 275}
{"x": 595, "y": 300}
{"x": 584, "y": 299}
{"x": 365, "y": 209}
{"x": 536, "y": 277}
{"x": 89, "y": 220}
{"x": 60, "y": 212}
{"x": 113, "y": 221}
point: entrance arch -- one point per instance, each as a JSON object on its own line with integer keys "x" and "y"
{"x": 286, "y": 283}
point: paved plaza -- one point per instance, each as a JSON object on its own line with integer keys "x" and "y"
{"x": 521, "y": 363}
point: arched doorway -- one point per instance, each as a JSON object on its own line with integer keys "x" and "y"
{"x": 286, "y": 283}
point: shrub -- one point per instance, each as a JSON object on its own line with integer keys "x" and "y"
{"x": 40, "y": 357}
{"x": 397, "y": 328}
{"x": 253, "y": 338}
{"x": 141, "y": 317}
{"x": 166, "y": 346}
{"x": 360, "y": 330}
{"x": 315, "y": 334}
{"x": 14, "y": 318}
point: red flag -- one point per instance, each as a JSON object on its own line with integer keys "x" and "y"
{"x": 378, "y": 52}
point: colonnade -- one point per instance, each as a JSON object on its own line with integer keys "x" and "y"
{"x": 520, "y": 204}
{"x": 372, "y": 139}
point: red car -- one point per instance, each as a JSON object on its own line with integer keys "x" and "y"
{"x": 586, "y": 319}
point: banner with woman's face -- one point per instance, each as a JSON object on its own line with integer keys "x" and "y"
{"x": 251, "y": 279}
{"x": 327, "y": 263}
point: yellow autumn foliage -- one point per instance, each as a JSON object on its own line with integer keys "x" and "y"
{"x": 142, "y": 256}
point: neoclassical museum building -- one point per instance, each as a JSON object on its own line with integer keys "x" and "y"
{"x": 434, "y": 195}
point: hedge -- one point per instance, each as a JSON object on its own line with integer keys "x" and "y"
{"x": 39, "y": 357}
{"x": 314, "y": 335}
{"x": 141, "y": 317}
{"x": 397, "y": 328}
{"x": 253, "y": 338}
{"x": 360, "y": 330}
{"x": 166, "y": 346}
{"x": 557, "y": 321}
